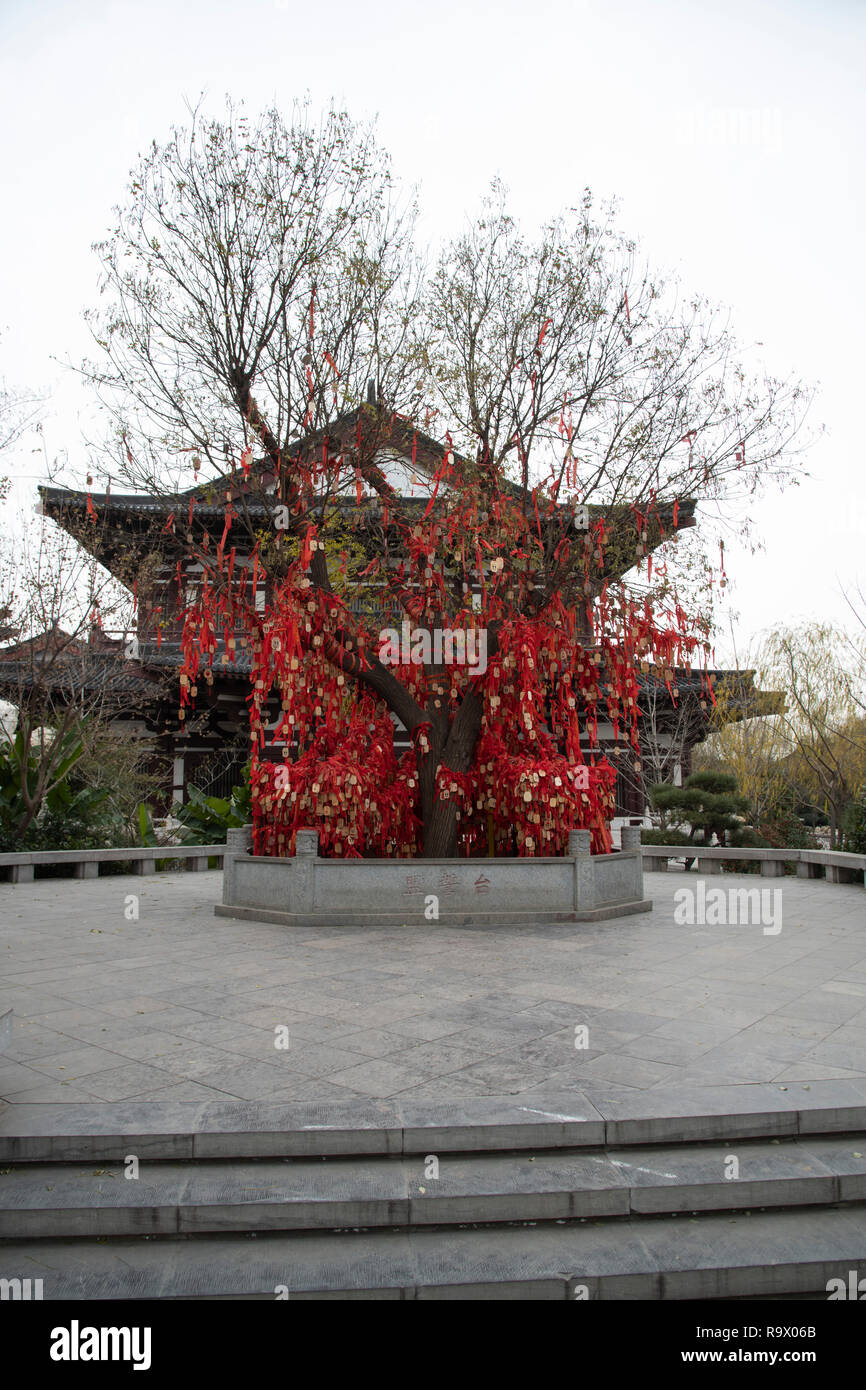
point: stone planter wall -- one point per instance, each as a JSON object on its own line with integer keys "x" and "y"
{"x": 307, "y": 890}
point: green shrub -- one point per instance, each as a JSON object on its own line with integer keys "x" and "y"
{"x": 746, "y": 837}
{"x": 72, "y": 815}
{"x": 656, "y": 836}
{"x": 204, "y": 820}
{"x": 708, "y": 802}
{"x": 717, "y": 783}
{"x": 788, "y": 831}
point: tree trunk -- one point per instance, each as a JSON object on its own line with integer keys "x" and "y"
{"x": 453, "y": 746}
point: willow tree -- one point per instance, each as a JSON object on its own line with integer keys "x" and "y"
{"x": 559, "y": 410}
{"x": 822, "y": 728}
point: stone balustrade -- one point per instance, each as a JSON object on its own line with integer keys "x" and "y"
{"x": 836, "y": 866}
{"x": 84, "y": 863}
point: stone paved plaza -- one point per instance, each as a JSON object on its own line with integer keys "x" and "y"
{"x": 182, "y": 1005}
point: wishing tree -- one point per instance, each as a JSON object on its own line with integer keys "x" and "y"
{"x": 259, "y": 280}
{"x": 497, "y": 763}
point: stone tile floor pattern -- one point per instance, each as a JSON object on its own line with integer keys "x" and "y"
{"x": 182, "y": 1005}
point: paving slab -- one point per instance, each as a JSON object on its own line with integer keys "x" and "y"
{"x": 180, "y": 999}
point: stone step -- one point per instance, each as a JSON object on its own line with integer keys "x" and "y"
{"x": 47, "y": 1201}
{"x": 106, "y": 1133}
{"x": 783, "y": 1253}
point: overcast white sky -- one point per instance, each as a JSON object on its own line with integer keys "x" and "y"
{"x": 732, "y": 135}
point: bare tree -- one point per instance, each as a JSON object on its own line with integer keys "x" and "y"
{"x": 19, "y": 410}
{"x": 565, "y": 359}
{"x": 62, "y": 671}
{"x": 854, "y": 645}
{"x": 271, "y": 259}
{"x": 666, "y": 730}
